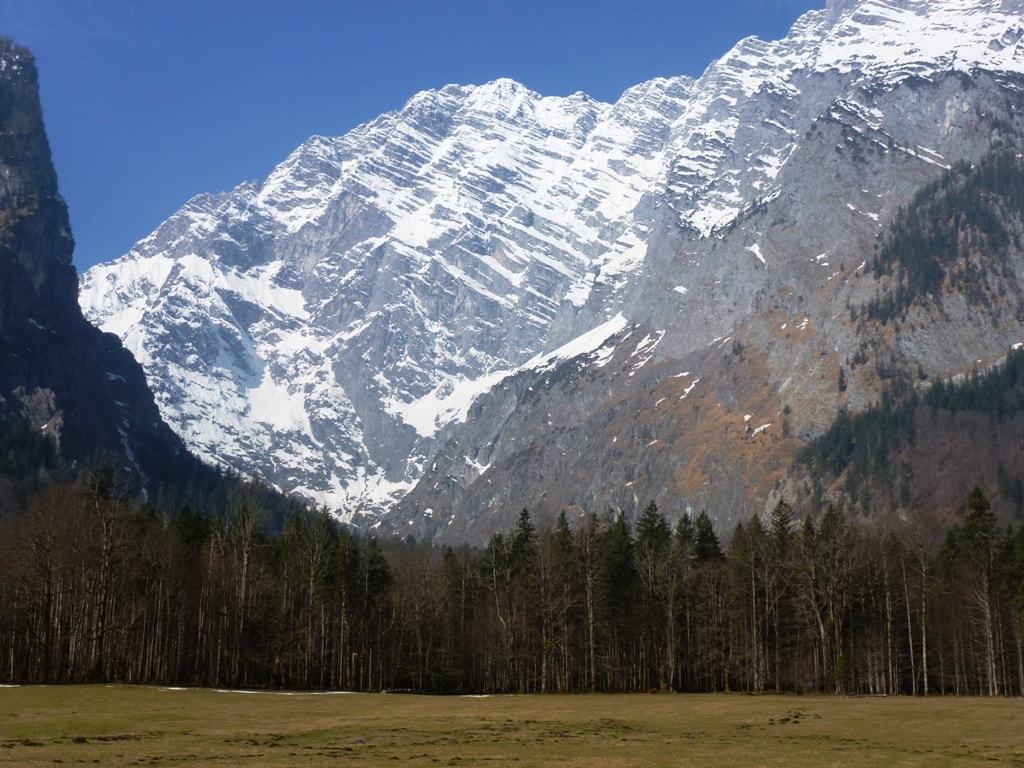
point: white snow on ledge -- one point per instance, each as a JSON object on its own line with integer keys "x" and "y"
{"x": 591, "y": 341}
{"x": 431, "y": 412}
{"x": 689, "y": 389}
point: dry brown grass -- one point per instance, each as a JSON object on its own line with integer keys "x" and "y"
{"x": 122, "y": 726}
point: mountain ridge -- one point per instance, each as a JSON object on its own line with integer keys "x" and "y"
{"x": 426, "y": 256}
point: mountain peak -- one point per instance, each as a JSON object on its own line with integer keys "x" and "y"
{"x": 505, "y": 88}
{"x": 342, "y": 330}
{"x": 16, "y": 61}
{"x": 917, "y": 37}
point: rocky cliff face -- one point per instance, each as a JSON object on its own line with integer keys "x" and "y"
{"x": 704, "y": 396}
{"x": 333, "y": 318}
{"x": 491, "y": 299}
{"x": 58, "y": 373}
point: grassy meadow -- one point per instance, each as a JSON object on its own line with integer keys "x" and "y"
{"x": 124, "y": 725}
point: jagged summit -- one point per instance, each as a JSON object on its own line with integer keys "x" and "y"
{"x": 339, "y": 327}
{"x": 920, "y": 37}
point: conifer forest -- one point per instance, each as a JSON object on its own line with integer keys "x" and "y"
{"x": 95, "y": 588}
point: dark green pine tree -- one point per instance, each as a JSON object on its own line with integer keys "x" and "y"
{"x": 707, "y": 544}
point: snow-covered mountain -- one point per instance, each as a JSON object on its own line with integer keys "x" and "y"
{"x": 367, "y": 324}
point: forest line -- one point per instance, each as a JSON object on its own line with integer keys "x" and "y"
{"x": 96, "y": 588}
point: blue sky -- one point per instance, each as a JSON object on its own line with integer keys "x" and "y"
{"x": 149, "y": 102}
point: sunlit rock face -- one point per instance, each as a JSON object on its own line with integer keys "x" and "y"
{"x": 492, "y": 299}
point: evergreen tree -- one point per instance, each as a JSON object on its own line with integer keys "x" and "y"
{"x": 706, "y": 542}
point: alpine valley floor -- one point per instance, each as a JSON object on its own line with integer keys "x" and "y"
{"x": 124, "y": 725}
